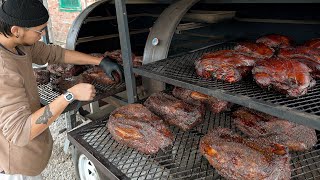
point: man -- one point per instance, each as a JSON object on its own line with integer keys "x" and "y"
{"x": 25, "y": 139}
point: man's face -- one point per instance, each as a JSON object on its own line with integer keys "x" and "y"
{"x": 32, "y": 35}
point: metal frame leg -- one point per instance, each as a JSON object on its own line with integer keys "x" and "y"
{"x": 70, "y": 118}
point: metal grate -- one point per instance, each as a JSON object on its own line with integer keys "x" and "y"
{"x": 180, "y": 71}
{"x": 47, "y": 94}
{"x": 182, "y": 161}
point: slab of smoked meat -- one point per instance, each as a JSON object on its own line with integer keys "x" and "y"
{"x": 275, "y": 41}
{"x": 226, "y": 65}
{"x": 257, "y": 124}
{"x": 97, "y": 75}
{"x": 306, "y": 55}
{"x": 313, "y": 43}
{"x": 66, "y": 70}
{"x": 237, "y": 158}
{"x": 116, "y": 55}
{"x": 135, "y": 126}
{"x": 286, "y": 76}
{"x": 257, "y": 50}
{"x": 61, "y": 84}
{"x": 42, "y": 75}
{"x": 192, "y": 97}
{"x": 175, "y": 111}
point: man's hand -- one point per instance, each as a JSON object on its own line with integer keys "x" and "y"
{"x": 109, "y": 66}
{"x": 83, "y": 92}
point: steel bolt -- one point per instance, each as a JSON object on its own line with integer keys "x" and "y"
{"x": 155, "y": 41}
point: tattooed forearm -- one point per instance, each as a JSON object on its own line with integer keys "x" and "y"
{"x": 44, "y": 118}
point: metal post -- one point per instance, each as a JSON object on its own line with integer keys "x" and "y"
{"x": 126, "y": 50}
{"x": 46, "y": 38}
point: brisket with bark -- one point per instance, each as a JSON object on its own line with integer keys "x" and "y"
{"x": 192, "y": 97}
{"x": 285, "y": 75}
{"x": 42, "y": 75}
{"x": 257, "y": 124}
{"x": 226, "y": 65}
{"x": 257, "y": 50}
{"x": 307, "y": 55}
{"x": 135, "y": 126}
{"x": 275, "y": 41}
{"x": 237, "y": 158}
{"x": 175, "y": 111}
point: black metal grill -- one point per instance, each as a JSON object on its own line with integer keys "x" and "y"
{"x": 182, "y": 161}
{"x": 180, "y": 71}
{"x": 47, "y": 94}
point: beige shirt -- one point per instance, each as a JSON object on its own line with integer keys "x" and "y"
{"x": 19, "y": 98}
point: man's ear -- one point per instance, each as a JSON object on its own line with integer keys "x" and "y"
{"x": 15, "y": 31}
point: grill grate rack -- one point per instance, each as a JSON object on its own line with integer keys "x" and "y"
{"x": 47, "y": 94}
{"x": 180, "y": 71}
{"x": 182, "y": 161}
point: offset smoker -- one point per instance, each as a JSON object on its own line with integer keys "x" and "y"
{"x": 181, "y": 32}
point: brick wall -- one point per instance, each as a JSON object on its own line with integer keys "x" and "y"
{"x": 60, "y": 22}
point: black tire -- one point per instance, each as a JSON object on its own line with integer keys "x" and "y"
{"x": 76, "y": 155}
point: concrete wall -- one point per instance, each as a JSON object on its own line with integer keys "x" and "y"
{"x": 60, "y": 22}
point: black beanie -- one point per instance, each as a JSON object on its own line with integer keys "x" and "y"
{"x": 24, "y": 13}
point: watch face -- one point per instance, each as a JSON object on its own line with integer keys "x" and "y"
{"x": 69, "y": 96}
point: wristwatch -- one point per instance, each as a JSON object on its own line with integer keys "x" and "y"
{"x": 68, "y": 96}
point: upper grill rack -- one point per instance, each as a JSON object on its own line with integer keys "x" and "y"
{"x": 180, "y": 71}
{"x": 47, "y": 94}
{"x": 182, "y": 161}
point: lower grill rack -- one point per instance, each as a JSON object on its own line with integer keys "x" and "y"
{"x": 181, "y": 161}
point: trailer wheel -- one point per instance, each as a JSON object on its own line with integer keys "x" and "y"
{"x": 85, "y": 169}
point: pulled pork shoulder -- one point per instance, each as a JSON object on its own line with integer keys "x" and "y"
{"x": 285, "y": 75}
{"x": 307, "y": 55}
{"x": 237, "y": 158}
{"x": 226, "y": 65}
{"x": 257, "y": 50}
{"x": 275, "y": 41}
{"x": 313, "y": 43}
{"x": 257, "y": 124}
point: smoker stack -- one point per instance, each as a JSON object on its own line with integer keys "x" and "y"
{"x": 171, "y": 61}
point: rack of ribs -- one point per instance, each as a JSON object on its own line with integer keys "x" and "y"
{"x": 285, "y": 75}
{"x": 235, "y": 157}
{"x": 275, "y": 41}
{"x": 257, "y": 50}
{"x": 175, "y": 111}
{"x": 226, "y": 65}
{"x": 135, "y": 126}
{"x": 192, "y": 97}
{"x": 257, "y": 124}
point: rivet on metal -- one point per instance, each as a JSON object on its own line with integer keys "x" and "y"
{"x": 155, "y": 41}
